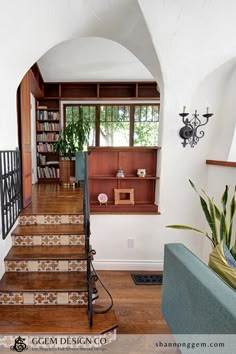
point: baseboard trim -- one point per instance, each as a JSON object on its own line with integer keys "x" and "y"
{"x": 126, "y": 264}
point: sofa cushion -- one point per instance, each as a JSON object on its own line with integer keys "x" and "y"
{"x": 195, "y": 300}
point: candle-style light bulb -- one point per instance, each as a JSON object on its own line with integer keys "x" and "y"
{"x": 184, "y": 109}
{"x": 207, "y": 110}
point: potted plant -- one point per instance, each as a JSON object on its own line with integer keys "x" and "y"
{"x": 71, "y": 143}
{"x": 222, "y": 259}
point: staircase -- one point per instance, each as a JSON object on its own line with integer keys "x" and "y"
{"x": 48, "y": 286}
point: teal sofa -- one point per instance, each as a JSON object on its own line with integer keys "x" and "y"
{"x": 195, "y": 300}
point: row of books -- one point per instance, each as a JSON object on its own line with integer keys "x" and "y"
{"x": 48, "y": 172}
{"x": 47, "y": 115}
{"x": 48, "y": 126}
{"x": 47, "y": 137}
{"x": 45, "y": 147}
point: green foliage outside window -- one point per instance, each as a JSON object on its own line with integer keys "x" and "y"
{"x": 115, "y": 124}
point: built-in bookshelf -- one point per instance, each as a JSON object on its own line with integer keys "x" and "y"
{"x": 103, "y": 164}
{"x": 47, "y": 132}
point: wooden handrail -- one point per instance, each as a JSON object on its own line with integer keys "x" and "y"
{"x": 221, "y": 163}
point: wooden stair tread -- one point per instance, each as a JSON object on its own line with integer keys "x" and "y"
{"x": 46, "y": 253}
{"x": 48, "y": 229}
{"x": 46, "y": 281}
{"x": 53, "y": 320}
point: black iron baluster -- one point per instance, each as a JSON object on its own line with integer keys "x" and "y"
{"x": 87, "y": 238}
{"x": 10, "y": 189}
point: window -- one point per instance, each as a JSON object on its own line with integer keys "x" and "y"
{"x": 114, "y": 125}
{"x": 89, "y": 112}
{"x": 119, "y": 125}
{"x": 146, "y": 124}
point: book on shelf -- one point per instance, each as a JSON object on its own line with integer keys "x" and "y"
{"x": 45, "y": 147}
{"x": 47, "y": 137}
{"x": 47, "y": 115}
{"x": 48, "y": 126}
{"x": 48, "y": 172}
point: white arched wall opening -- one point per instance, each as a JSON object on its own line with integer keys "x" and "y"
{"x": 27, "y": 37}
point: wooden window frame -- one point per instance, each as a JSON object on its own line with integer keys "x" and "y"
{"x": 97, "y": 118}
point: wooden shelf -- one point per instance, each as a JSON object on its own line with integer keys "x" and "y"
{"x": 46, "y": 141}
{"x": 221, "y": 163}
{"x": 48, "y": 131}
{"x": 102, "y": 91}
{"x": 124, "y": 209}
{"x": 107, "y": 160}
{"x": 124, "y": 178}
{"x": 47, "y": 120}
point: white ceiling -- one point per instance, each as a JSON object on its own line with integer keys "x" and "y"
{"x": 91, "y": 59}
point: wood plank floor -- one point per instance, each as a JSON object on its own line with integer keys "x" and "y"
{"x": 45, "y": 320}
{"x": 44, "y": 252}
{"x": 137, "y": 307}
{"x": 61, "y": 229}
{"x": 55, "y": 199}
{"x": 48, "y": 281}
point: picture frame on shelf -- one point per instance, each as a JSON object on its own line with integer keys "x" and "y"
{"x": 124, "y": 196}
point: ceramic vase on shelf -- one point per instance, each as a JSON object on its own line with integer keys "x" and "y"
{"x": 141, "y": 172}
{"x": 120, "y": 173}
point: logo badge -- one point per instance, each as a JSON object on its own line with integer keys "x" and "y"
{"x": 19, "y": 345}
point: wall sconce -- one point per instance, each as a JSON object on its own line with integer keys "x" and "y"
{"x": 190, "y": 132}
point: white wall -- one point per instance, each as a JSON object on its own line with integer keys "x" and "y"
{"x": 181, "y": 43}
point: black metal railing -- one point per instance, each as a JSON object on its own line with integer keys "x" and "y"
{"x": 87, "y": 239}
{"x": 92, "y": 276}
{"x": 10, "y": 189}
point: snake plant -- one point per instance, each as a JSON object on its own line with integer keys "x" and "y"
{"x": 220, "y": 219}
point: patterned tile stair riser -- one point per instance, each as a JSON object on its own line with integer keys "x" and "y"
{"x": 50, "y": 219}
{"x": 43, "y": 298}
{"x": 48, "y": 240}
{"x": 45, "y": 266}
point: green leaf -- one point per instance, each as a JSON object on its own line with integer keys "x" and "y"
{"x": 218, "y": 213}
{"x": 233, "y": 252}
{"x": 224, "y": 199}
{"x": 232, "y": 207}
{"x": 193, "y": 186}
{"x": 191, "y": 228}
{"x": 208, "y": 217}
{"x": 185, "y": 227}
{"x": 213, "y": 217}
{"x": 223, "y": 230}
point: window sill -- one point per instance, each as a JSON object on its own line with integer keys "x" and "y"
{"x": 144, "y": 209}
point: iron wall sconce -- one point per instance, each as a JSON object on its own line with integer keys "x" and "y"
{"x": 189, "y": 132}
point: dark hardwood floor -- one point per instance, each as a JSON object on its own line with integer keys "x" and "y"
{"x": 137, "y": 307}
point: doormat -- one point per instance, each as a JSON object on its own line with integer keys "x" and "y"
{"x": 147, "y": 279}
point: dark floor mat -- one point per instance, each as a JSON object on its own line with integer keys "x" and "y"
{"x": 147, "y": 279}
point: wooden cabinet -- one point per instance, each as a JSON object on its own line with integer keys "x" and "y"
{"x": 103, "y": 165}
{"x": 47, "y": 132}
